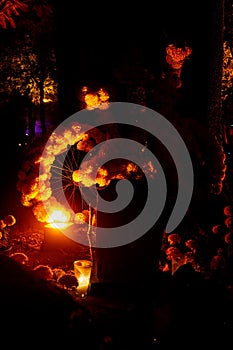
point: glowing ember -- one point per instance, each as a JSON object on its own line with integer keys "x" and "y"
{"x": 177, "y": 55}
{"x": 94, "y": 99}
{"x": 75, "y": 177}
{"x": 58, "y": 225}
{"x": 81, "y": 218}
{"x": 91, "y": 100}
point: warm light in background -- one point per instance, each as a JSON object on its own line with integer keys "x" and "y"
{"x": 94, "y": 99}
{"x": 177, "y": 55}
{"x": 58, "y": 219}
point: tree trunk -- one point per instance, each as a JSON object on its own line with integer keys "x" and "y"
{"x": 215, "y": 70}
{"x": 31, "y": 121}
{"x": 214, "y": 102}
{"x": 42, "y": 107}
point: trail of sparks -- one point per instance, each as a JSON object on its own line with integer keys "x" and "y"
{"x": 63, "y": 167}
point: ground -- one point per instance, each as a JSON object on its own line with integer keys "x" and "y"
{"x": 184, "y": 310}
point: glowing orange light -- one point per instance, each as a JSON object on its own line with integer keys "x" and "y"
{"x": 177, "y": 55}
{"x": 94, "y": 99}
{"x": 58, "y": 219}
{"x": 80, "y": 218}
{"x": 38, "y": 160}
{"x": 91, "y": 100}
{"x": 75, "y": 177}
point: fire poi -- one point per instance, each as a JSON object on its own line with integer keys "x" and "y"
{"x": 61, "y": 158}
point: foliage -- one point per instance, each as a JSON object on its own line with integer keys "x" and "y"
{"x": 22, "y": 72}
{"x": 28, "y": 64}
{"x": 209, "y": 251}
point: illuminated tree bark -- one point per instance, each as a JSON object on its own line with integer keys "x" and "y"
{"x": 215, "y": 71}
{"x": 214, "y": 107}
{"x": 228, "y": 25}
{"x": 42, "y": 107}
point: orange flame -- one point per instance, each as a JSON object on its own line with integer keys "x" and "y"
{"x": 177, "y": 55}
{"x": 58, "y": 218}
{"x": 94, "y": 99}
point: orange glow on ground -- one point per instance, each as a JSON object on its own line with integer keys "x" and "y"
{"x": 59, "y": 225}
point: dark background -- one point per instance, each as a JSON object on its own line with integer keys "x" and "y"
{"x": 92, "y": 40}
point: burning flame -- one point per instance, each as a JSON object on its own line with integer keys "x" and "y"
{"x": 34, "y": 178}
{"x": 58, "y": 219}
{"x": 37, "y": 193}
{"x": 94, "y": 99}
{"x": 175, "y": 57}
